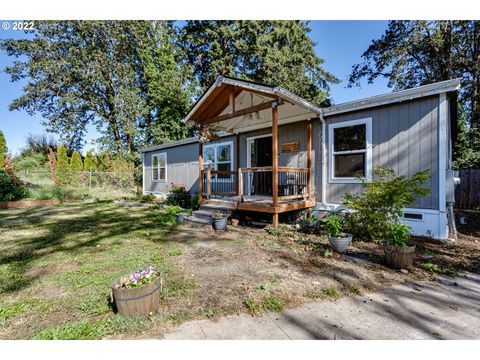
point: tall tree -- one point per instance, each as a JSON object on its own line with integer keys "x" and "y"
{"x": 167, "y": 82}
{"x": 3, "y": 150}
{"x": 275, "y": 52}
{"x": 413, "y": 53}
{"x": 62, "y": 169}
{"x": 89, "y": 163}
{"x": 98, "y": 72}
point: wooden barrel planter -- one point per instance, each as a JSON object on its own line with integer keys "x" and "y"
{"x": 138, "y": 301}
{"x": 399, "y": 257}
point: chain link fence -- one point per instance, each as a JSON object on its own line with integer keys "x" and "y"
{"x": 86, "y": 183}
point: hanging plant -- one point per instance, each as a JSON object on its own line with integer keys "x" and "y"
{"x": 206, "y": 135}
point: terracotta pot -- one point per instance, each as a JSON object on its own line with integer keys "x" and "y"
{"x": 235, "y": 222}
{"x": 399, "y": 257}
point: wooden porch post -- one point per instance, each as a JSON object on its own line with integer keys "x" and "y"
{"x": 309, "y": 158}
{"x": 237, "y": 162}
{"x": 275, "y": 162}
{"x": 200, "y": 168}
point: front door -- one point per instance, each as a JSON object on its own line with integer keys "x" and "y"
{"x": 260, "y": 183}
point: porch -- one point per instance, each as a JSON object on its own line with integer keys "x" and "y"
{"x": 251, "y": 189}
{"x": 239, "y": 108}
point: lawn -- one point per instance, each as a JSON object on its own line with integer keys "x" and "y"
{"x": 57, "y": 264}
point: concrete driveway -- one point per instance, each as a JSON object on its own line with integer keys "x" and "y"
{"x": 445, "y": 309}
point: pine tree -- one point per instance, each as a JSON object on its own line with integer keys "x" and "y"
{"x": 276, "y": 52}
{"x": 76, "y": 167}
{"x": 63, "y": 167}
{"x": 413, "y": 53}
{"x": 89, "y": 163}
{"x": 3, "y": 150}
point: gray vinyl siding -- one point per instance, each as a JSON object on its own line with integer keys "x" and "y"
{"x": 404, "y": 138}
{"x": 288, "y": 133}
{"x": 182, "y": 167}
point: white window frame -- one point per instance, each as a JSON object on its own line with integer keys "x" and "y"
{"x": 215, "y": 163}
{"x": 158, "y": 155}
{"x": 368, "y": 151}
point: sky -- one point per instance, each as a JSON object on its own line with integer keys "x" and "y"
{"x": 339, "y": 43}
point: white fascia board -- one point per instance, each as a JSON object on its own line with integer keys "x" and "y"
{"x": 287, "y": 95}
{"x": 397, "y": 96}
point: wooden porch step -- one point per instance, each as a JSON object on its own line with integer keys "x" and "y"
{"x": 223, "y": 208}
{"x": 195, "y": 221}
{"x": 203, "y": 214}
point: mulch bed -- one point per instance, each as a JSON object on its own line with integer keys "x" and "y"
{"x": 28, "y": 203}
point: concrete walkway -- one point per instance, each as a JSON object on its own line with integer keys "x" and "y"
{"x": 445, "y": 309}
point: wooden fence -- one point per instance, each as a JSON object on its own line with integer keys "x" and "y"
{"x": 467, "y": 193}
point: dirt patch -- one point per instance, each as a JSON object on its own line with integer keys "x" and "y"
{"x": 243, "y": 263}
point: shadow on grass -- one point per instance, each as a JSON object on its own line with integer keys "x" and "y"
{"x": 70, "y": 229}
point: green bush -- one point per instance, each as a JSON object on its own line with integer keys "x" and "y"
{"x": 63, "y": 167}
{"x": 179, "y": 196}
{"x": 194, "y": 203}
{"x": 382, "y": 200}
{"x": 397, "y": 233}
{"x": 334, "y": 225}
{"x": 9, "y": 191}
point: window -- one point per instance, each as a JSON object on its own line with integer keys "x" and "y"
{"x": 159, "y": 167}
{"x": 219, "y": 157}
{"x": 350, "y": 150}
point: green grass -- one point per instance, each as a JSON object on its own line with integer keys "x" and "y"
{"x": 328, "y": 293}
{"x": 180, "y": 316}
{"x": 81, "y": 330}
{"x": 252, "y": 307}
{"x": 273, "y": 303}
{"x": 354, "y": 290}
{"x": 57, "y": 264}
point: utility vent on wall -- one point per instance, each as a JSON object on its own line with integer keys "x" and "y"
{"x": 413, "y": 216}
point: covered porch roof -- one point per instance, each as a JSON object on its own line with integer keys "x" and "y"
{"x": 235, "y": 106}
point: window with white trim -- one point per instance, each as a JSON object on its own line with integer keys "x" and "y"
{"x": 218, "y": 156}
{"x": 159, "y": 167}
{"x": 350, "y": 150}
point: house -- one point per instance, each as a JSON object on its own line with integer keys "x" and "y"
{"x": 273, "y": 139}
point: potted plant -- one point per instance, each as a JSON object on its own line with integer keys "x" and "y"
{"x": 339, "y": 240}
{"x": 206, "y": 135}
{"x": 219, "y": 221}
{"x": 399, "y": 253}
{"x": 138, "y": 293}
{"x": 181, "y": 217}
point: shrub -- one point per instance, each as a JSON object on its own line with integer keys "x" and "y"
{"x": 334, "y": 225}
{"x": 3, "y": 150}
{"x": 90, "y": 162}
{"x": 194, "y": 203}
{"x": 381, "y": 200}
{"x": 9, "y": 190}
{"x": 179, "y": 196}
{"x": 397, "y": 233}
{"x": 148, "y": 198}
{"x": 63, "y": 167}
{"x": 76, "y": 168}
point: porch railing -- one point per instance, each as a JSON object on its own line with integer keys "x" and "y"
{"x": 219, "y": 182}
{"x": 256, "y": 182}
{"x": 292, "y": 182}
